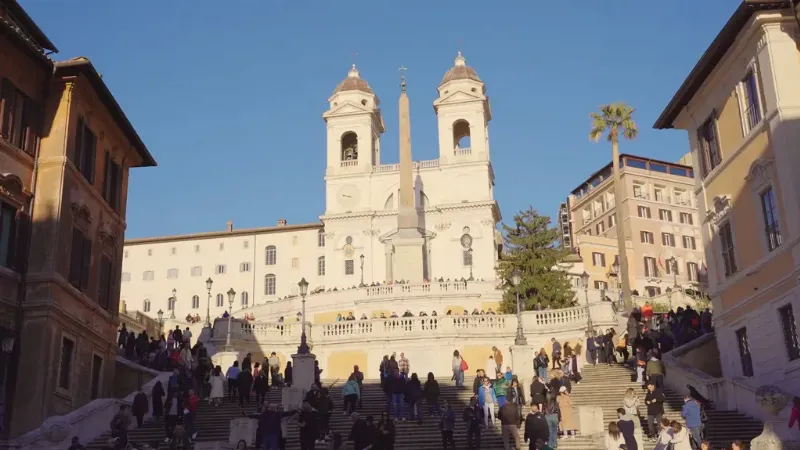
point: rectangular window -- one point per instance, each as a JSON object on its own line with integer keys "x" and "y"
{"x": 646, "y": 237}
{"x": 321, "y": 266}
{"x": 665, "y": 215}
{"x": 658, "y": 195}
{"x": 652, "y": 291}
{"x": 769, "y": 211}
{"x": 752, "y": 109}
{"x": 349, "y": 267}
{"x": 80, "y": 260}
{"x": 173, "y": 250}
{"x": 148, "y": 275}
{"x": 221, "y": 246}
{"x": 710, "y": 156}
{"x": 686, "y": 218}
{"x": 598, "y": 259}
{"x": 295, "y": 263}
{"x": 85, "y": 148}
{"x": 244, "y": 267}
{"x": 106, "y": 286}
{"x": 689, "y": 242}
{"x": 172, "y": 273}
{"x": 650, "y": 267}
{"x": 601, "y": 227}
{"x": 789, "y": 327}
{"x": 668, "y": 239}
{"x": 321, "y": 238}
{"x": 644, "y": 212}
{"x": 97, "y": 371}
{"x": 197, "y": 249}
{"x": 680, "y": 195}
{"x": 671, "y": 267}
{"x": 294, "y": 240}
{"x": 8, "y": 226}
{"x": 220, "y": 269}
{"x": 726, "y": 244}
{"x": 112, "y": 183}
{"x": 612, "y": 220}
{"x": 197, "y": 271}
{"x": 269, "y": 285}
{"x": 600, "y": 285}
{"x": 744, "y": 352}
{"x": 20, "y": 117}
{"x": 691, "y": 271}
{"x": 638, "y": 191}
{"x": 65, "y": 365}
{"x": 246, "y": 244}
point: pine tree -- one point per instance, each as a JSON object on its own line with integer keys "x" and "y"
{"x": 532, "y": 249}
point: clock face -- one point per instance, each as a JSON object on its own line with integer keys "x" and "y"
{"x": 348, "y": 196}
{"x": 466, "y": 241}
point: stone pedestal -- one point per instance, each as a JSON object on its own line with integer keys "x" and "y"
{"x": 522, "y": 364}
{"x": 590, "y": 420}
{"x": 302, "y": 379}
{"x": 224, "y": 359}
{"x": 776, "y": 434}
{"x": 408, "y": 256}
{"x": 243, "y": 428}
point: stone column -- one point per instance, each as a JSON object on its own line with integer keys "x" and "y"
{"x": 302, "y": 379}
{"x": 522, "y": 364}
{"x": 389, "y": 271}
{"x": 776, "y": 434}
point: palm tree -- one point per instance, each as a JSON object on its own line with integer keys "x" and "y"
{"x": 614, "y": 119}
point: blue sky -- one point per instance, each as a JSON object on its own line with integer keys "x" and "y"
{"x": 228, "y": 96}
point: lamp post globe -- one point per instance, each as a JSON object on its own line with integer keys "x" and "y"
{"x": 516, "y": 279}
{"x": 303, "y": 349}
{"x": 231, "y": 296}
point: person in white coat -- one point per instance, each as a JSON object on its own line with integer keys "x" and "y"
{"x": 491, "y": 367}
{"x": 681, "y": 438}
{"x": 614, "y": 439}
{"x": 217, "y": 382}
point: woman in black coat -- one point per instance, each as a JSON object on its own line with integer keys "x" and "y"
{"x": 538, "y": 393}
{"x": 158, "y": 403}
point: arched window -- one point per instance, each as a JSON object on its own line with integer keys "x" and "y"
{"x": 349, "y": 146}
{"x": 220, "y": 300}
{"x": 321, "y": 238}
{"x": 269, "y": 284}
{"x": 321, "y": 266}
{"x": 271, "y": 255}
{"x": 195, "y": 302}
{"x": 461, "y": 136}
{"x": 146, "y": 306}
{"x": 171, "y": 304}
{"x": 245, "y": 299}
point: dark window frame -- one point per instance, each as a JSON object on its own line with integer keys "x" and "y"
{"x": 66, "y": 363}
{"x": 80, "y": 260}
{"x": 727, "y": 249}
{"x": 790, "y": 335}
{"x": 745, "y": 357}
{"x": 84, "y": 154}
{"x": 769, "y": 214}
{"x": 19, "y": 117}
{"x": 708, "y": 140}
{"x": 8, "y": 235}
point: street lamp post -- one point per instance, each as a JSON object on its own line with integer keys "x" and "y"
{"x": 516, "y": 279}
{"x": 231, "y": 296}
{"x": 174, "y": 303}
{"x": 209, "y": 283}
{"x": 362, "y": 270}
{"x": 615, "y": 269}
{"x": 674, "y": 266}
{"x": 669, "y": 297}
{"x": 303, "y": 348}
{"x": 470, "y": 264}
{"x": 589, "y": 325}
{"x": 160, "y": 322}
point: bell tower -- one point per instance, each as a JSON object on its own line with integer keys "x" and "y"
{"x": 463, "y": 112}
{"x": 354, "y": 125}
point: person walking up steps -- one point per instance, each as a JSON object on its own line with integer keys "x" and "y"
{"x": 510, "y": 421}
{"x": 473, "y": 419}
{"x": 487, "y": 399}
{"x": 556, "y": 353}
{"x": 447, "y": 425}
{"x": 431, "y": 393}
{"x": 233, "y": 378}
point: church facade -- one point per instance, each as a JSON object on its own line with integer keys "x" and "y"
{"x": 412, "y": 222}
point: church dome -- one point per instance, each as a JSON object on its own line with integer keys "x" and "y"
{"x": 353, "y": 82}
{"x": 460, "y": 71}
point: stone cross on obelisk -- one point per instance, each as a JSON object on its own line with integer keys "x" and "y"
{"x": 408, "y": 242}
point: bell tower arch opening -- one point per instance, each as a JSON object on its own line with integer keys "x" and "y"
{"x": 461, "y": 137}
{"x": 349, "y": 147}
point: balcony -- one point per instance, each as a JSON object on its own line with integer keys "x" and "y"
{"x": 416, "y": 165}
{"x": 349, "y": 163}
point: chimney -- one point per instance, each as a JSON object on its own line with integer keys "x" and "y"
{"x": 230, "y": 226}
{"x": 281, "y": 222}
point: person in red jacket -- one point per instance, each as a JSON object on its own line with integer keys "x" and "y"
{"x": 647, "y": 313}
{"x": 190, "y": 414}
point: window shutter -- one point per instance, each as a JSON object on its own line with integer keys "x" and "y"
{"x": 75, "y": 155}
{"x": 76, "y": 254}
{"x": 107, "y": 178}
{"x": 7, "y": 92}
{"x": 104, "y": 288}
{"x": 116, "y": 185}
{"x": 91, "y": 156}
{"x": 86, "y": 263}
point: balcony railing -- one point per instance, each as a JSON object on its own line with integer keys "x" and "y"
{"x": 462, "y": 151}
{"x": 430, "y": 163}
{"x": 349, "y": 163}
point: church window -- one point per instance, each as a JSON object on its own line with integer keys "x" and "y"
{"x": 220, "y": 300}
{"x": 295, "y": 263}
{"x": 146, "y": 306}
{"x": 349, "y": 267}
{"x": 172, "y": 273}
{"x": 195, "y": 302}
{"x": 271, "y": 255}
{"x": 321, "y": 266}
{"x": 466, "y": 257}
{"x": 245, "y": 299}
{"x": 349, "y": 146}
{"x": 321, "y": 238}
{"x": 221, "y": 269}
{"x": 197, "y": 271}
{"x": 461, "y": 136}
{"x": 269, "y": 284}
{"x": 171, "y": 304}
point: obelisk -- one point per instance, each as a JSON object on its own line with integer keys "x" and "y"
{"x": 408, "y": 242}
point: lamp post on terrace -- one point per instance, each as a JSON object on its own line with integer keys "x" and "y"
{"x": 362, "y": 270}
{"x": 615, "y": 270}
{"x": 469, "y": 250}
{"x": 673, "y": 265}
{"x": 669, "y": 298}
{"x": 589, "y": 325}
{"x": 209, "y": 283}
{"x": 160, "y": 322}
{"x": 174, "y": 299}
{"x": 231, "y": 296}
{"x": 303, "y": 348}
{"x": 516, "y": 279}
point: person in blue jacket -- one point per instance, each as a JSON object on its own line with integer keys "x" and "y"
{"x": 691, "y": 414}
{"x": 487, "y": 400}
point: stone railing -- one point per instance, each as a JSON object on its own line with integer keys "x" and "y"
{"x": 533, "y": 322}
{"x": 462, "y": 151}
{"x": 430, "y": 163}
{"x": 349, "y": 163}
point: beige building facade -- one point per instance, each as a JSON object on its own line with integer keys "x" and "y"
{"x": 659, "y": 221}
{"x": 741, "y": 107}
